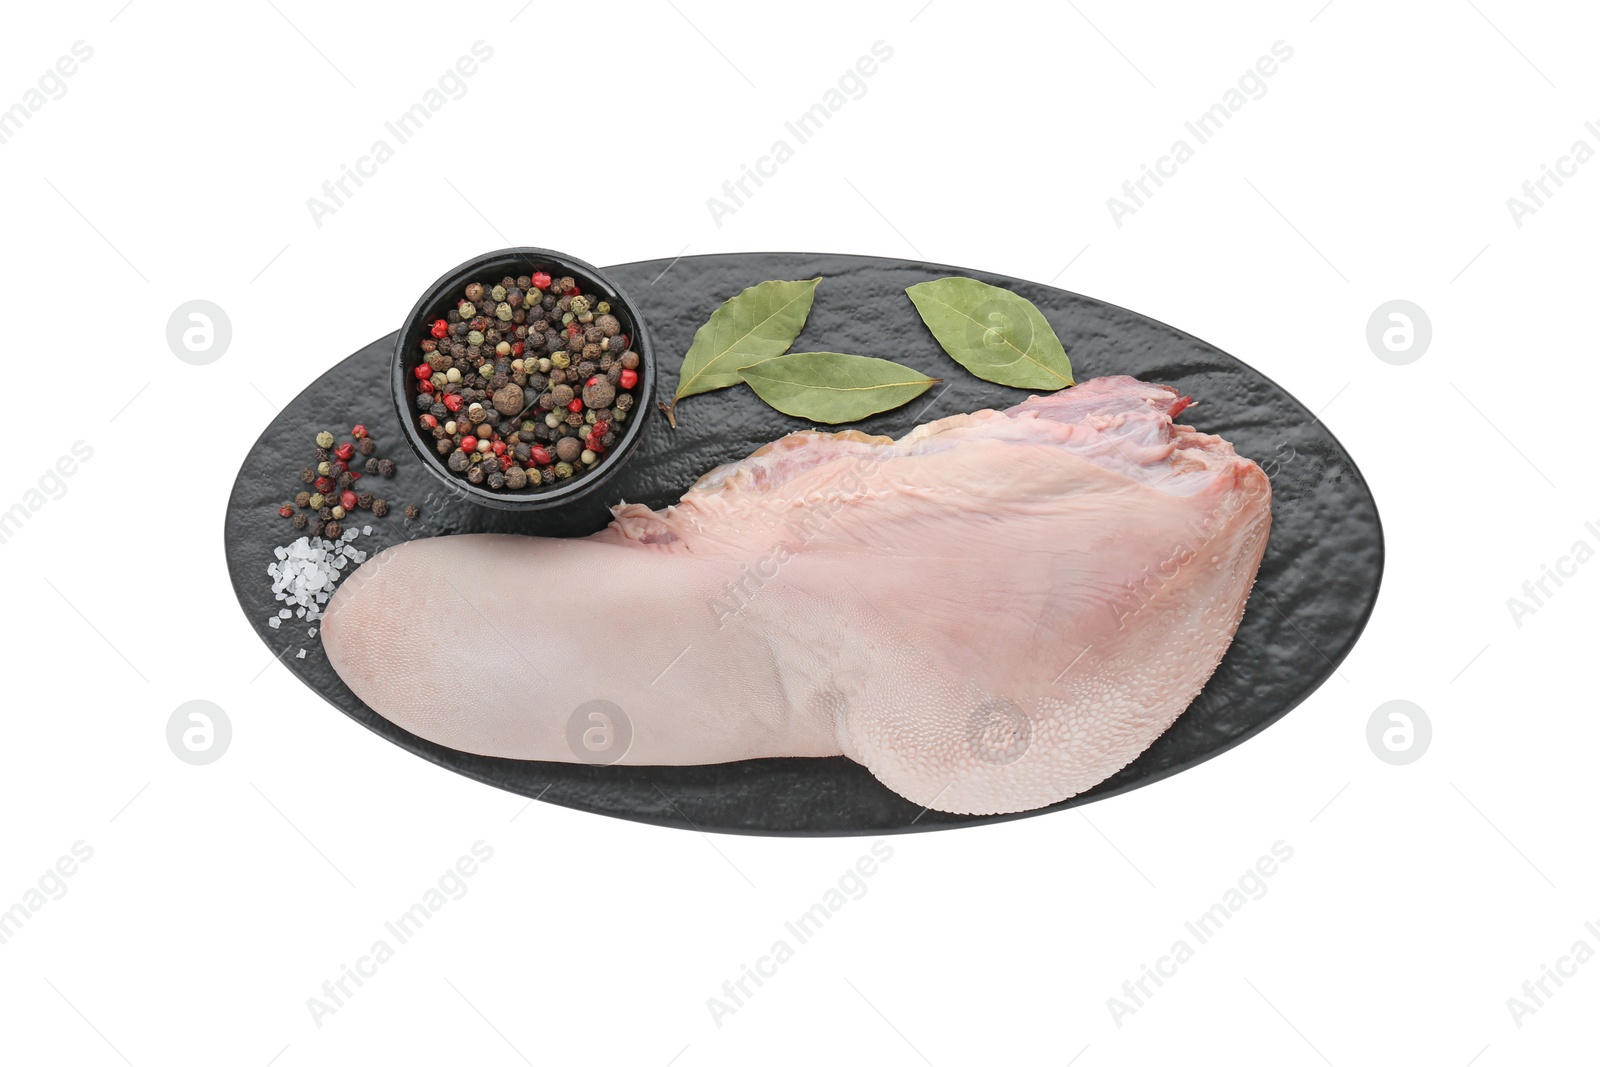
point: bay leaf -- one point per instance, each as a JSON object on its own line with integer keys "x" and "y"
{"x": 994, "y": 333}
{"x": 759, "y": 323}
{"x": 834, "y": 387}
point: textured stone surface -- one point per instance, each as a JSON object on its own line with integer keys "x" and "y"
{"x": 1316, "y": 588}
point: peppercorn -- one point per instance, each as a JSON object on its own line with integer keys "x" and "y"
{"x": 307, "y": 475}
{"x": 624, "y": 402}
{"x": 302, "y": 499}
{"x": 630, "y": 360}
{"x": 370, "y": 466}
{"x": 334, "y": 530}
{"x": 299, "y": 520}
{"x": 346, "y": 479}
{"x": 324, "y": 439}
{"x": 607, "y": 324}
{"x": 599, "y": 393}
{"x": 336, "y": 512}
{"x": 368, "y": 446}
{"x": 457, "y": 461}
{"x": 568, "y": 448}
{"x": 412, "y": 511}
{"x": 475, "y": 292}
{"x": 424, "y": 401}
{"x": 380, "y": 507}
{"x": 287, "y": 511}
{"x": 496, "y": 480}
{"x": 615, "y": 373}
{"x": 386, "y": 468}
{"x": 586, "y": 367}
{"x": 443, "y": 445}
{"x": 314, "y": 501}
{"x": 516, "y": 478}
{"x": 563, "y": 470}
{"x": 364, "y": 501}
{"x": 561, "y": 395}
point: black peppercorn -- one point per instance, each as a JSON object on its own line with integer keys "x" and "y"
{"x": 318, "y": 528}
{"x": 424, "y": 401}
{"x": 334, "y": 530}
{"x": 475, "y": 474}
{"x": 412, "y": 511}
{"x": 307, "y": 475}
{"x": 386, "y": 467}
{"x": 299, "y": 520}
{"x": 302, "y": 500}
{"x": 380, "y": 507}
{"x": 368, "y": 446}
{"x": 496, "y": 480}
{"x": 364, "y": 500}
{"x": 370, "y": 466}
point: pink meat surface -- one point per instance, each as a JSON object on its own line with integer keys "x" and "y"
{"x": 993, "y": 613}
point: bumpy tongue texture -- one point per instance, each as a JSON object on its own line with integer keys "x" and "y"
{"x": 988, "y": 540}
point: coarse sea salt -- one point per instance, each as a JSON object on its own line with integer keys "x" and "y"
{"x": 305, "y": 573}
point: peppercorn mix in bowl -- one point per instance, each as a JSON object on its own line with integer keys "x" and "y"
{"x": 524, "y": 378}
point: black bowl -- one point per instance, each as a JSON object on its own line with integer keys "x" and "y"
{"x": 490, "y": 267}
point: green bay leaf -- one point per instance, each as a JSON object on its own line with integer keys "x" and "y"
{"x": 759, "y": 323}
{"x": 994, "y": 333}
{"x": 834, "y": 387}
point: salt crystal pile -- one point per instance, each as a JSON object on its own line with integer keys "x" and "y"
{"x": 305, "y": 573}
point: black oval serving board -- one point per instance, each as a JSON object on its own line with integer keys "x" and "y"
{"x": 1317, "y": 585}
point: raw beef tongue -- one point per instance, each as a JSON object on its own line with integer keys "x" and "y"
{"x": 993, "y": 613}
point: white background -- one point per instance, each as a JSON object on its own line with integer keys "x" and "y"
{"x": 1377, "y": 166}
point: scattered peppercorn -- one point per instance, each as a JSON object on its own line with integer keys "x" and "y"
{"x": 412, "y": 511}
{"x": 380, "y": 507}
{"x": 334, "y": 530}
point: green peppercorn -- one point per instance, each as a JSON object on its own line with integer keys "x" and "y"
{"x": 498, "y": 293}
{"x": 603, "y": 308}
{"x": 475, "y": 337}
{"x": 558, "y": 359}
{"x": 315, "y": 501}
{"x": 563, "y": 470}
{"x": 324, "y": 439}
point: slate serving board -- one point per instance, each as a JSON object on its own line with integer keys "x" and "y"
{"x": 1317, "y": 586}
